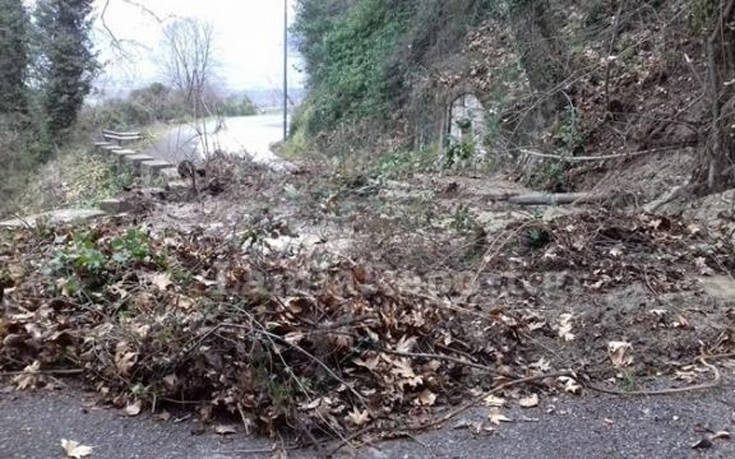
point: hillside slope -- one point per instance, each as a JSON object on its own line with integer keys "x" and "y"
{"x": 504, "y": 83}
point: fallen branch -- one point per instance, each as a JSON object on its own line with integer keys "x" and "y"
{"x": 553, "y": 199}
{"x": 575, "y": 159}
{"x": 69, "y": 372}
{"x": 447, "y": 358}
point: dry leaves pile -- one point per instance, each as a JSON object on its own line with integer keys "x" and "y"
{"x": 317, "y": 341}
{"x": 277, "y": 340}
{"x": 607, "y": 250}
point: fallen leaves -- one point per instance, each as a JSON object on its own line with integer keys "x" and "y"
{"x": 570, "y": 385}
{"x": 75, "y": 450}
{"x": 29, "y": 377}
{"x": 496, "y": 417}
{"x": 494, "y": 402}
{"x": 426, "y": 398}
{"x": 529, "y": 402}
{"x": 339, "y": 343}
{"x": 564, "y": 329}
{"x": 134, "y": 409}
{"x": 620, "y": 353}
{"x": 358, "y": 417}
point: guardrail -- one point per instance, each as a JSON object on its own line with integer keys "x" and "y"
{"x": 121, "y": 137}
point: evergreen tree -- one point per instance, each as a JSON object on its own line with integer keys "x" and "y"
{"x": 67, "y": 64}
{"x": 13, "y": 56}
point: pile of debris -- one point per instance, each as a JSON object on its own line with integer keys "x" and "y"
{"x": 280, "y": 341}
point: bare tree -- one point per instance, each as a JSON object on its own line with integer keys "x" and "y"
{"x": 189, "y": 65}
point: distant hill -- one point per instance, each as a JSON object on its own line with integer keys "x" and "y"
{"x": 264, "y": 98}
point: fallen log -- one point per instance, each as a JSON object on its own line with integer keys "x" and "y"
{"x": 554, "y": 199}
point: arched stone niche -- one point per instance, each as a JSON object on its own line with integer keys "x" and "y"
{"x": 467, "y": 119}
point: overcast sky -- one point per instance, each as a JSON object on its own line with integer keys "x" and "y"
{"x": 248, "y": 41}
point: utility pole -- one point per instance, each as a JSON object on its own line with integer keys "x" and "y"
{"x": 285, "y": 70}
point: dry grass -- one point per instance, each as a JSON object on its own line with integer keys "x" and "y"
{"x": 75, "y": 178}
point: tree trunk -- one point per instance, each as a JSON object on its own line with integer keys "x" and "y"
{"x": 715, "y": 165}
{"x": 541, "y": 51}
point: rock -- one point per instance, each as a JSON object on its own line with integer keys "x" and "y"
{"x": 121, "y": 154}
{"x": 720, "y": 287}
{"x": 137, "y": 160}
{"x": 170, "y": 173}
{"x": 154, "y": 168}
{"x": 54, "y": 217}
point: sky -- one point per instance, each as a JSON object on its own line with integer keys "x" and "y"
{"x": 248, "y": 41}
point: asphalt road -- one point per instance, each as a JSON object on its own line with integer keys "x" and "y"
{"x": 238, "y": 135}
{"x": 32, "y": 426}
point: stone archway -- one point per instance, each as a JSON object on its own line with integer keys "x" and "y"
{"x": 467, "y": 119}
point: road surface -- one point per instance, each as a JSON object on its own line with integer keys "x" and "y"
{"x": 243, "y": 135}
{"x": 33, "y": 424}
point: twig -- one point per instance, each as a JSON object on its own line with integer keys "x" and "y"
{"x": 494, "y": 250}
{"x": 69, "y": 372}
{"x": 574, "y": 159}
{"x": 259, "y": 450}
{"x": 300, "y": 349}
{"x": 348, "y": 440}
{"x": 448, "y": 358}
{"x": 476, "y": 400}
{"x": 669, "y": 391}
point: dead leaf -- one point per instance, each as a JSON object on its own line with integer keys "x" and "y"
{"x": 134, "y": 409}
{"x": 403, "y": 369}
{"x": 570, "y": 384}
{"x": 406, "y": 345}
{"x": 74, "y": 450}
{"x": 565, "y": 327}
{"x": 496, "y": 417}
{"x": 705, "y": 270}
{"x": 358, "y": 418}
{"x": 29, "y": 378}
{"x": 162, "y": 281}
{"x": 294, "y": 337}
{"x": 619, "y": 353}
{"x": 704, "y": 443}
{"x": 426, "y": 398}
{"x": 680, "y": 322}
{"x": 541, "y": 365}
{"x": 529, "y": 402}
{"x": 722, "y": 434}
{"x": 371, "y": 363}
{"x": 493, "y": 401}
{"x": 124, "y": 359}
{"x": 225, "y": 429}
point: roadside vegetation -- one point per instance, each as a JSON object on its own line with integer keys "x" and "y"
{"x": 552, "y": 81}
{"x": 47, "y": 67}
